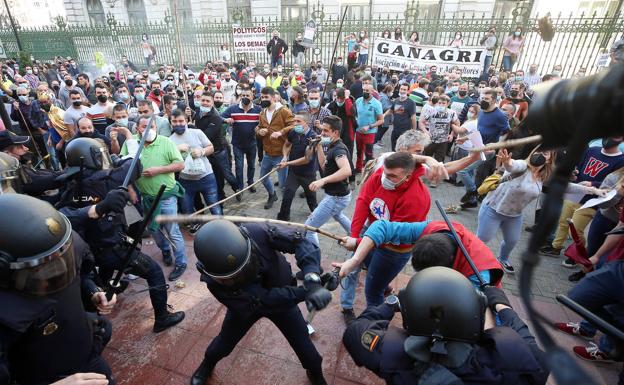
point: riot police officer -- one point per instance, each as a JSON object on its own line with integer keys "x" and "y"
{"x": 448, "y": 336}
{"x": 8, "y": 174}
{"x": 244, "y": 269}
{"x": 46, "y": 336}
{"x": 107, "y": 234}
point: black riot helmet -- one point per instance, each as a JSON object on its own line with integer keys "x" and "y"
{"x": 442, "y": 304}
{"x": 225, "y": 253}
{"x": 93, "y": 151}
{"x": 9, "y": 179}
{"x": 36, "y": 253}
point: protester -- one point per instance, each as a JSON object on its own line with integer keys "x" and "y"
{"x": 369, "y": 117}
{"x": 513, "y": 46}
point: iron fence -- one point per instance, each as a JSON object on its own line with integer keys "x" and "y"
{"x": 577, "y": 43}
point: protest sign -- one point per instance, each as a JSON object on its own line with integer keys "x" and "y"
{"x": 399, "y": 56}
{"x": 250, "y": 39}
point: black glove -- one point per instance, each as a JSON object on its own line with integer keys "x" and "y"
{"x": 115, "y": 201}
{"x": 495, "y": 296}
{"x": 317, "y": 297}
{"x": 330, "y": 281}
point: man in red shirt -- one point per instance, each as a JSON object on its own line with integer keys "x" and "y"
{"x": 393, "y": 192}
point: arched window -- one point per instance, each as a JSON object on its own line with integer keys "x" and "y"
{"x": 96, "y": 12}
{"x": 136, "y": 12}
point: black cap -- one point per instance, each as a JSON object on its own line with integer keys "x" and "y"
{"x": 7, "y": 138}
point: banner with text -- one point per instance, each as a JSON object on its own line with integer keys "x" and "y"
{"x": 399, "y": 56}
{"x": 250, "y": 39}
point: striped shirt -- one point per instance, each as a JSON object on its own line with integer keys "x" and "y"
{"x": 244, "y": 126}
{"x": 100, "y": 116}
{"x": 419, "y": 96}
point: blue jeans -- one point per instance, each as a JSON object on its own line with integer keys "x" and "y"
{"x": 330, "y": 207}
{"x": 276, "y": 62}
{"x": 490, "y": 221}
{"x": 507, "y": 64}
{"x": 467, "y": 174}
{"x": 207, "y": 187}
{"x": 169, "y": 206}
{"x": 268, "y": 163}
{"x": 601, "y": 293}
{"x": 51, "y": 151}
{"x": 240, "y": 154}
{"x": 486, "y": 65}
{"x": 362, "y": 59}
{"x": 383, "y": 266}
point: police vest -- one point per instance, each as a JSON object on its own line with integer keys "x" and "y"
{"x": 479, "y": 252}
{"x": 55, "y": 336}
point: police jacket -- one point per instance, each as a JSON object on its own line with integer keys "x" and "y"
{"x": 87, "y": 190}
{"x": 506, "y": 354}
{"x": 43, "y": 339}
{"x": 274, "y": 289}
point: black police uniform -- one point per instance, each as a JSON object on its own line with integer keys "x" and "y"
{"x": 506, "y": 354}
{"x": 272, "y": 294}
{"x": 45, "y": 339}
{"x": 107, "y": 236}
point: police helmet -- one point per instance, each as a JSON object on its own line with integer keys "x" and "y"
{"x": 36, "y": 253}
{"x": 442, "y": 304}
{"x": 8, "y": 174}
{"x": 89, "y": 153}
{"x": 225, "y": 253}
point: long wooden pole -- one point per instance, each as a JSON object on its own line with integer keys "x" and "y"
{"x": 233, "y": 218}
{"x": 508, "y": 143}
{"x": 236, "y": 193}
{"x": 180, "y": 57}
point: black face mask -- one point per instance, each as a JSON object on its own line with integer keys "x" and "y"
{"x": 56, "y": 87}
{"x": 265, "y": 103}
{"x": 394, "y": 81}
{"x": 274, "y": 73}
{"x": 245, "y": 101}
{"x": 102, "y": 98}
{"x": 314, "y": 78}
{"x": 513, "y": 93}
{"x": 484, "y": 105}
{"x": 537, "y": 159}
{"x": 77, "y": 103}
{"x": 462, "y": 93}
{"x": 366, "y": 95}
{"x": 157, "y": 92}
{"x": 45, "y": 107}
{"x": 69, "y": 82}
{"x": 610, "y": 143}
{"x": 218, "y": 104}
{"x": 90, "y": 134}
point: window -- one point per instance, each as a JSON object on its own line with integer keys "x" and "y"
{"x": 357, "y": 12}
{"x": 96, "y": 12}
{"x": 185, "y": 12}
{"x": 136, "y": 11}
{"x": 294, "y": 10}
{"x": 239, "y": 9}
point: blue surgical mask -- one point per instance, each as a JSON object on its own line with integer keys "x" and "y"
{"x": 340, "y": 104}
{"x": 123, "y": 96}
{"x": 299, "y": 129}
{"x": 122, "y": 122}
{"x": 325, "y": 140}
{"x": 179, "y": 129}
{"x": 440, "y": 108}
{"x": 197, "y": 103}
{"x": 23, "y": 98}
{"x": 315, "y": 103}
{"x": 139, "y": 96}
{"x": 205, "y": 110}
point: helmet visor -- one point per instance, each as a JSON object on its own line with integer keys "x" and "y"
{"x": 48, "y": 274}
{"x": 102, "y": 157}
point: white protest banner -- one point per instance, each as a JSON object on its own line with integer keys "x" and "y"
{"x": 399, "y": 56}
{"x": 250, "y": 39}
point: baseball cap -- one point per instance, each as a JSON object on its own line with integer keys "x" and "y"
{"x": 7, "y": 138}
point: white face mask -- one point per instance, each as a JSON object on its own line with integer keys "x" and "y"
{"x": 403, "y": 95}
{"x": 470, "y": 115}
{"x": 151, "y": 136}
{"x": 388, "y": 184}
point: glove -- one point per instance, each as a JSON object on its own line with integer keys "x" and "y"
{"x": 115, "y": 201}
{"x": 317, "y": 297}
{"x": 330, "y": 281}
{"x": 495, "y": 296}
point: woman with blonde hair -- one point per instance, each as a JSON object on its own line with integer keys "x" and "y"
{"x": 520, "y": 185}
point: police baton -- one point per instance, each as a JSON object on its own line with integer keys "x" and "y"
{"x": 460, "y": 244}
{"x": 114, "y": 285}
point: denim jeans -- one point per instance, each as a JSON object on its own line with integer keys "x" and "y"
{"x": 268, "y": 163}
{"x": 276, "y": 62}
{"x": 362, "y": 59}
{"x": 207, "y": 187}
{"x": 490, "y": 221}
{"x": 467, "y": 175}
{"x": 330, "y": 207}
{"x": 486, "y": 65}
{"x": 240, "y": 154}
{"x": 383, "y": 266}
{"x": 507, "y": 64}
{"x": 169, "y": 206}
{"x": 601, "y": 293}
{"x": 51, "y": 151}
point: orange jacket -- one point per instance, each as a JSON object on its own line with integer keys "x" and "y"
{"x": 282, "y": 122}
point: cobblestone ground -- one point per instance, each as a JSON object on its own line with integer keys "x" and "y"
{"x": 263, "y": 357}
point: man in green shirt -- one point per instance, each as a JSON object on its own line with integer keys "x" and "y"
{"x": 161, "y": 159}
